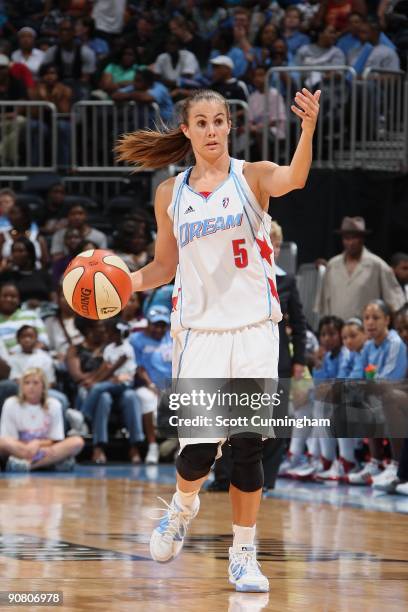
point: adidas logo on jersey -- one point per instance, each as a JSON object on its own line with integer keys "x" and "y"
{"x": 189, "y": 209}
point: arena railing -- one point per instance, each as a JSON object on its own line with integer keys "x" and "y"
{"x": 28, "y": 136}
{"x": 334, "y": 143}
{"x": 383, "y": 119}
{"x": 95, "y": 127}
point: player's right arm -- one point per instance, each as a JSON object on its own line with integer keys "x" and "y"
{"x": 163, "y": 267}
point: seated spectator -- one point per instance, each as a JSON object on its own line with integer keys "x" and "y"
{"x": 17, "y": 70}
{"x": 153, "y": 352}
{"x": 399, "y": 264}
{"x": 61, "y": 330}
{"x": 85, "y": 364}
{"x": 222, "y": 43}
{"x": 12, "y": 317}
{"x": 336, "y": 12}
{"x": 116, "y": 382}
{"x": 27, "y": 54}
{"x": 27, "y": 355}
{"x": 320, "y": 53}
{"x": 50, "y": 24}
{"x": 120, "y": 72}
{"x": 32, "y": 428}
{"x": 208, "y": 17}
{"x": 373, "y": 53}
{"x": 49, "y": 89}
{"x": 11, "y": 121}
{"x": 241, "y": 23}
{"x": 85, "y": 33}
{"x": 74, "y": 244}
{"x": 285, "y": 81}
{"x": 350, "y": 42}
{"x": 148, "y": 39}
{"x": 223, "y": 81}
{"x": 263, "y": 48}
{"x": 75, "y": 62}
{"x": 256, "y": 109}
{"x": 52, "y": 216}
{"x": 161, "y": 296}
{"x": 131, "y": 242}
{"x": 291, "y": 31}
{"x": 146, "y": 89}
{"x": 76, "y": 219}
{"x": 7, "y": 201}
{"x": 22, "y": 225}
{"x": 176, "y": 64}
{"x": 189, "y": 39}
{"x": 34, "y": 285}
{"x": 133, "y": 315}
{"x": 309, "y": 10}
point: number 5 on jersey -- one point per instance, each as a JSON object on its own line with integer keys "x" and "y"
{"x": 240, "y": 253}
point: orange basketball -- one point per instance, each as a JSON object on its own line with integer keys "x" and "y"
{"x": 97, "y": 284}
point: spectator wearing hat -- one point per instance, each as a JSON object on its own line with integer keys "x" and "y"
{"x": 223, "y": 81}
{"x": 153, "y": 352}
{"x": 27, "y": 54}
{"x": 356, "y": 276}
{"x": 222, "y": 43}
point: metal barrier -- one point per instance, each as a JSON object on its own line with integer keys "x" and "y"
{"x": 28, "y": 136}
{"x": 383, "y": 120}
{"x": 334, "y": 142}
{"x": 96, "y": 126}
{"x": 239, "y": 135}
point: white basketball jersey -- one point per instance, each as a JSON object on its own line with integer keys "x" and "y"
{"x": 225, "y": 277}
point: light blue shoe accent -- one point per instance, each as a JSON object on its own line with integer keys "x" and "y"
{"x": 167, "y": 538}
{"x": 244, "y": 571}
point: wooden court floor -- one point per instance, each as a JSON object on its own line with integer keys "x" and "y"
{"x": 89, "y": 539}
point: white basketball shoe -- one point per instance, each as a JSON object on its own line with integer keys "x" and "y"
{"x": 167, "y": 538}
{"x": 244, "y": 571}
{"x": 366, "y": 475}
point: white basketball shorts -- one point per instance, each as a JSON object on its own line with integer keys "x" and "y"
{"x": 247, "y": 352}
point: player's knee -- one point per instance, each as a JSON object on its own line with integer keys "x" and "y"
{"x": 247, "y": 471}
{"x": 195, "y": 460}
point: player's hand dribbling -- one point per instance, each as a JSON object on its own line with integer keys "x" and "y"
{"x": 309, "y": 109}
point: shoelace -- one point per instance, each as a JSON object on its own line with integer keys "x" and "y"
{"x": 178, "y": 520}
{"x": 245, "y": 560}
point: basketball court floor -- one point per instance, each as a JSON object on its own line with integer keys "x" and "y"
{"x": 323, "y": 547}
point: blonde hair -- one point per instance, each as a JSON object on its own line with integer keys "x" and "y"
{"x": 276, "y": 231}
{"x": 161, "y": 147}
{"x": 40, "y": 374}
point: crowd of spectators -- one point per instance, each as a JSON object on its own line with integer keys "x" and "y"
{"x": 62, "y": 51}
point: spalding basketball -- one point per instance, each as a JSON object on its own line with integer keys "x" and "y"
{"x": 97, "y": 284}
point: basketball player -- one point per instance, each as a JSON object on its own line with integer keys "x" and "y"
{"x": 213, "y": 233}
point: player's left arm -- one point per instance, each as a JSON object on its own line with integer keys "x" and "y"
{"x": 274, "y": 180}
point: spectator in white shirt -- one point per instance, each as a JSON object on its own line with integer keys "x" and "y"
{"x": 175, "y": 64}
{"x": 27, "y": 355}
{"x": 32, "y": 428}
{"x": 27, "y": 54}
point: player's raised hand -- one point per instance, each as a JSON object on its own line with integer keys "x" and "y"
{"x": 309, "y": 109}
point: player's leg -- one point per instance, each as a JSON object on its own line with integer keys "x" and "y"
{"x": 245, "y": 494}
{"x": 193, "y": 465}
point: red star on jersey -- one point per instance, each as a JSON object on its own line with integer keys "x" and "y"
{"x": 273, "y": 289}
{"x": 174, "y": 301}
{"x": 265, "y": 250}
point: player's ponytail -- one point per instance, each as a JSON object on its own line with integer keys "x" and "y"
{"x": 163, "y": 146}
{"x": 153, "y": 148}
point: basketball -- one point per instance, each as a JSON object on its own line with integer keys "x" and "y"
{"x": 97, "y": 284}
